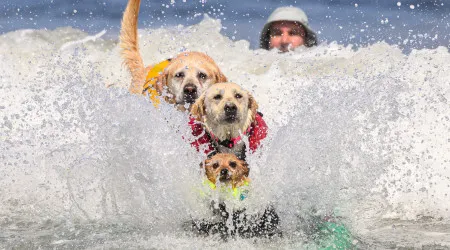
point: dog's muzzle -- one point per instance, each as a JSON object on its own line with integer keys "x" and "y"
{"x": 190, "y": 93}
{"x": 224, "y": 175}
{"x": 230, "y": 112}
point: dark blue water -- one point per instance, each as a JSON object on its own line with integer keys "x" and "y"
{"x": 413, "y": 24}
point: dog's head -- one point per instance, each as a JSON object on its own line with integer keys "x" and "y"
{"x": 188, "y": 75}
{"x": 225, "y": 104}
{"x": 227, "y": 169}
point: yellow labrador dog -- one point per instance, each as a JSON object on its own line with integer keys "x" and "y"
{"x": 183, "y": 77}
{"x": 223, "y": 116}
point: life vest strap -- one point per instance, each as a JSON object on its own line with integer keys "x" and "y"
{"x": 151, "y": 81}
{"x": 238, "y": 192}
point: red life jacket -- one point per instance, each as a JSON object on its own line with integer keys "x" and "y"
{"x": 204, "y": 141}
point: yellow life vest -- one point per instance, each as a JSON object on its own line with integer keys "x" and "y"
{"x": 151, "y": 80}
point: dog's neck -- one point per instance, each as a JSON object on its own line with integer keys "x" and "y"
{"x": 239, "y": 183}
{"x": 244, "y": 181}
{"x": 229, "y": 131}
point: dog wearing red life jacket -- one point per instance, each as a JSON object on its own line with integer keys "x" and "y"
{"x": 223, "y": 117}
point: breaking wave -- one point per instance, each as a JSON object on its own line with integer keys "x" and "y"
{"x": 363, "y": 133}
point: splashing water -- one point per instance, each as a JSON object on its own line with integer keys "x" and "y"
{"x": 85, "y": 164}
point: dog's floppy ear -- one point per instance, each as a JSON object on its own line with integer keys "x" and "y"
{"x": 246, "y": 169}
{"x": 198, "y": 108}
{"x": 203, "y": 163}
{"x": 161, "y": 85}
{"x": 220, "y": 77}
{"x": 252, "y": 106}
{"x": 162, "y": 81}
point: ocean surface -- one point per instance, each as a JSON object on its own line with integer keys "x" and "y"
{"x": 407, "y": 24}
{"x": 361, "y": 131}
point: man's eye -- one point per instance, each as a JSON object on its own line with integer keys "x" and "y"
{"x": 202, "y": 75}
{"x": 276, "y": 33}
{"x": 179, "y": 75}
{"x": 238, "y": 96}
{"x": 296, "y": 33}
{"x": 217, "y": 97}
{"x": 216, "y": 165}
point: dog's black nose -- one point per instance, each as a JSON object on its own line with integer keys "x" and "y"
{"x": 224, "y": 172}
{"x": 190, "y": 89}
{"x": 230, "y": 108}
{"x": 190, "y": 93}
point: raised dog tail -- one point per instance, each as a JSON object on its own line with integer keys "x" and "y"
{"x": 130, "y": 46}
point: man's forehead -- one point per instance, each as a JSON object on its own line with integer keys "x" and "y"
{"x": 286, "y": 24}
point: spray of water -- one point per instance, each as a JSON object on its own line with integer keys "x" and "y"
{"x": 362, "y": 134}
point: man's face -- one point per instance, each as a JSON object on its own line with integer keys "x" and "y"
{"x": 285, "y": 35}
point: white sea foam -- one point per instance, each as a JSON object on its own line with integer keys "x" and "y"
{"x": 363, "y": 133}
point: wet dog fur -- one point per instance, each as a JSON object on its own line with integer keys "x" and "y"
{"x": 226, "y": 110}
{"x": 227, "y": 169}
{"x": 187, "y": 75}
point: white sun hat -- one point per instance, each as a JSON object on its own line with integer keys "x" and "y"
{"x": 288, "y": 14}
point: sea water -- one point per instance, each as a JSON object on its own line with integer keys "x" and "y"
{"x": 363, "y": 134}
{"x": 409, "y": 24}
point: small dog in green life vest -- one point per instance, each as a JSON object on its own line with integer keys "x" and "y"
{"x": 230, "y": 171}
{"x": 227, "y": 180}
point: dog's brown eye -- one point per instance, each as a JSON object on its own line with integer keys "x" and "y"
{"x": 216, "y": 165}
{"x": 217, "y": 97}
{"x": 202, "y": 75}
{"x": 179, "y": 75}
{"x": 232, "y": 164}
{"x": 238, "y": 96}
